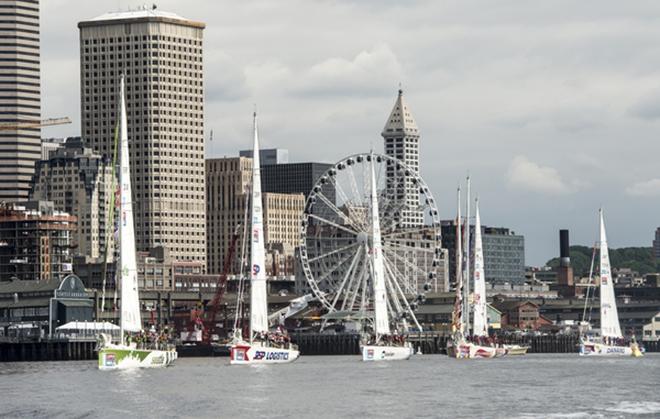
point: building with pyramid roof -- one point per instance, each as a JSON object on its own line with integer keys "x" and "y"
{"x": 401, "y": 136}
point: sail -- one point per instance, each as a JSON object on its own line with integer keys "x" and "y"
{"x": 457, "y": 314}
{"x": 258, "y": 295}
{"x": 609, "y": 316}
{"x": 480, "y": 316}
{"x": 130, "y": 301}
{"x": 380, "y": 293}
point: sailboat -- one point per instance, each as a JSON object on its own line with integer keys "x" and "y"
{"x": 385, "y": 346}
{"x": 610, "y": 341}
{"x": 262, "y": 347}
{"x": 458, "y": 345}
{"x": 128, "y": 355}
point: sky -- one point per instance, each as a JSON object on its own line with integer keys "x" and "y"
{"x": 553, "y": 108}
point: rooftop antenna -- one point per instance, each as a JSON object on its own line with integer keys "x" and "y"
{"x": 400, "y": 88}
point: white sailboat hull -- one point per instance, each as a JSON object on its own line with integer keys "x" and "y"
{"x": 122, "y": 357}
{"x": 245, "y": 353}
{"x": 386, "y": 353}
{"x": 590, "y": 348}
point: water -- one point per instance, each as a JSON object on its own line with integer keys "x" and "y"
{"x": 428, "y": 386}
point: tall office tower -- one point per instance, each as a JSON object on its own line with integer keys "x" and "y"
{"x": 227, "y": 187}
{"x": 160, "y": 55}
{"x": 79, "y": 182}
{"x": 401, "y": 137}
{"x": 19, "y": 96}
{"x": 656, "y": 245}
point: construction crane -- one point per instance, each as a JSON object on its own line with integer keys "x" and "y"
{"x": 13, "y": 126}
{"x": 221, "y": 287}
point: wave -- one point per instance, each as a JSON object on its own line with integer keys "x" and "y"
{"x": 636, "y": 408}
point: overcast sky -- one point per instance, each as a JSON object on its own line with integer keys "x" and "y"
{"x": 553, "y": 107}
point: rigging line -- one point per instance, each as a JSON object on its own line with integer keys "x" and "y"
{"x": 350, "y": 294}
{"x": 346, "y": 276}
{"x": 110, "y": 225}
{"x": 358, "y": 283}
{"x": 393, "y": 294}
{"x": 403, "y": 297}
{"x": 363, "y": 302}
{"x": 591, "y": 270}
{"x": 241, "y": 270}
{"x": 354, "y": 273}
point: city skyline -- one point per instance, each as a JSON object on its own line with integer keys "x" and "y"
{"x": 552, "y": 114}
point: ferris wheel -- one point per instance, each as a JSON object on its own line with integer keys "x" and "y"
{"x": 337, "y": 230}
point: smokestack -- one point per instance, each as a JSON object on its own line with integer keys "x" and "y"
{"x": 565, "y": 258}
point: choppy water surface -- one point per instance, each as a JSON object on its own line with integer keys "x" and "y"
{"x": 534, "y": 386}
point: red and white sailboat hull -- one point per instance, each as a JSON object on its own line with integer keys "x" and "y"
{"x": 245, "y": 353}
{"x": 467, "y": 350}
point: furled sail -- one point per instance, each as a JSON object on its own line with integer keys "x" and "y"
{"x": 381, "y": 320}
{"x": 130, "y": 301}
{"x": 609, "y": 316}
{"x": 480, "y": 319}
{"x": 258, "y": 295}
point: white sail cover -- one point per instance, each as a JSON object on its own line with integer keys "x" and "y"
{"x": 258, "y": 296}
{"x": 609, "y": 316}
{"x": 480, "y": 319}
{"x": 130, "y": 300}
{"x": 381, "y": 319}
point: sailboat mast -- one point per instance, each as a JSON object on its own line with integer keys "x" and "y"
{"x": 258, "y": 294}
{"x": 459, "y": 264}
{"x": 467, "y": 257}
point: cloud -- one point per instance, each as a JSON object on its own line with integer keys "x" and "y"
{"x": 227, "y": 85}
{"x": 648, "y": 107}
{"x": 372, "y": 72}
{"x": 526, "y": 174}
{"x": 647, "y": 188}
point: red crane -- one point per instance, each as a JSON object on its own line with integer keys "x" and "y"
{"x": 221, "y": 287}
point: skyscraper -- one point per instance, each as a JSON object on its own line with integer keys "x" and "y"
{"x": 401, "y": 137}
{"x": 656, "y": 245}
{"x": 20, "y": 96}
{"x": 160, "y": 54}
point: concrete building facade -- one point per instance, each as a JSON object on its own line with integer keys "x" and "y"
{"x": 401, "y": 136}
{"x": 79, "y": 182}
{"x": 160, "y": 54}
{"x": 268, "y": 156}
{"x": 228, "y": 182}
{"x": 35, "y": 242}
{"x": 504, "y": 253}
{"x": 20, "y": 96}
